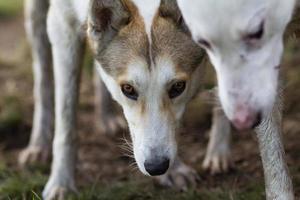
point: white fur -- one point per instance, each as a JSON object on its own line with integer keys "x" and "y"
{"x": 153, "y": 129}
{"x": 246, "y": 74}
{"x": 66, "y": 37}
{"x": 40, "y": 141}
{"x": 81, "y": 9}
{"x": 147, "y": 9}
{"x": 218, "y": 155}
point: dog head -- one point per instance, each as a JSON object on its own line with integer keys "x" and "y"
{"x": 244, "y": 41}
{"x": 151, "y": 68}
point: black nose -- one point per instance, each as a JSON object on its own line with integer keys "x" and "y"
{"x": 157, "y": 166}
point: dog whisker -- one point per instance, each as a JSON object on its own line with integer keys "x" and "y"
{"x": 133, "y": 166}
{"x": 127, "y": 147}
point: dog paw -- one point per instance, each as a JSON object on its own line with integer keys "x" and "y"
{"x": 217, "y": 162}
{"x": 55, "y": 190}
{"x": 58, "y": 193}
{"x": 34, "y": 154}
{"x": 180, "y": 177}
{"x": 111, "y": 125}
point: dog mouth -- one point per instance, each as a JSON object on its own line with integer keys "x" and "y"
{"x": 277, "y": 67}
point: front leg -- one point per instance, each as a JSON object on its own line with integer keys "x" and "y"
{"x": 39, "y": 147}
{"x": 68, "y": 48}
{"x": 277, "y": 179}
{"x": 218, "y": 154}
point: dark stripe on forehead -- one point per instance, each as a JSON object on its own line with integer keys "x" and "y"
{"x": 168, "y": 9}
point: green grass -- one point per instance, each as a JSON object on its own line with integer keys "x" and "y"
{"x": 29, "y": 184}
{"x": 10, "y": 8}
{"x": 11, "y": 113}
{"x": 20, "y": 186}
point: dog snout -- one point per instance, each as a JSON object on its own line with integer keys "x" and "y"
{"x": 157, "y": 166}
{"x": 246, "y": 118}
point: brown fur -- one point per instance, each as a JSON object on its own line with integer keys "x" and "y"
{"x": 169, "y": 38}
{"x": 293, "y": 29}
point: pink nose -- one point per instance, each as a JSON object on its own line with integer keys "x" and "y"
{"x": 245, "y": 118}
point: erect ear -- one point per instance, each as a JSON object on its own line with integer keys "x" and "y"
{"x": 106, "y": 18}
{"x": 170, "y": 10}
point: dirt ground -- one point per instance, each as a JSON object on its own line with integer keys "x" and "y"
{"x": 101, "y": 158}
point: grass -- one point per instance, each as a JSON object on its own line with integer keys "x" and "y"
{"x": 20, "y": 186}
{"x": 29, "y": 184}
{"x": 11, "y": 113}
{"x": 9, "y": 8}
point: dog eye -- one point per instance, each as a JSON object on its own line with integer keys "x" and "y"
{"x": 257, "y": 35}
{"x": 204, "y": 43}
{"x": 176, "y": 89}
{"x": 129, "y": 92}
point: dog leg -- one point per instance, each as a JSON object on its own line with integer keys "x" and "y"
{"x": 108, "y": 119}
{"x": 41, "y": 136}
{"x": 67, "y": 39}
{"x": 218, "y": 155}
{"x": 180, "y": 176}
{"x": 277, "y": 179}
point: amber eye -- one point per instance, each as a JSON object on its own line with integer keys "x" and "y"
{"x": 256, "y": 35}
{"x": 129, "y": 91}
{"x": 177, "y": 89}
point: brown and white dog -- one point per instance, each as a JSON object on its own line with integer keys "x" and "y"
{"x": 150, "y": 65}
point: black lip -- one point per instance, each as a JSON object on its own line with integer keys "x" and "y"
{"x": 258, "y": 121}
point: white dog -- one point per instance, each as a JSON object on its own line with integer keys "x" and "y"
{"x": 244, "y": 41}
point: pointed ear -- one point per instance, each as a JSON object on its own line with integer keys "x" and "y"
{"x": 106, "y": 18}
{"x": 170, "y": 10}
